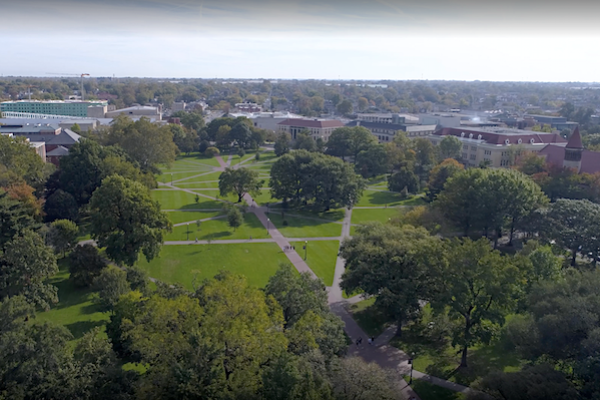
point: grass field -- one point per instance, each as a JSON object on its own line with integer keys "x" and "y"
{"x": 321, "y": 257}
{"x": 372, "y": 198}
{"x": 177, "y": 217}
{"x": 360, "y": 216}
{"x": 428, "y": 391}
{"x": 190, "y": 161}
{"x": 167, "y": 177}
{"x": 435, "y": 356}
{"x": 75, "y": 309}
{"x": 303, "y": 227}
{"x": 199, "y": 185}
{"x": 257, "y": 261}
{"x": 210, "y": 176}
{"x": 265, "y": 197}
{"x": 177, "y": 199}
{"x": 218, "y": 229}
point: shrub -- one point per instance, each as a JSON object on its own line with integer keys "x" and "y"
{"x": 211, "y": 152}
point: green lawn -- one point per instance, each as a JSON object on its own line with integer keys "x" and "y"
{"x": 75, "y": 308}
{"x": 428, "y": 391}
{"x": 332, "y": 215}
{"x": 211, "y": 176}
{"x": 435, "y": 356}
{"x": 372, "y": 198}
{"x": 360, "y": 216}
{"x": 237, "y": 159}
{"x": 219, "y": 229}
{"x": 265, "y": 197}
{"x": 177, "y": 217}
{"x": 257, "y": 261}
{"x": 321, "y": 257}
{"x": 177, "y": 199}
{"x": 370, "y": 320}
{"x": 298, "y": 227}
{"x": 191, "y": 160}
{"x": 166, "y": 176}
{"x": 199, "y": 185}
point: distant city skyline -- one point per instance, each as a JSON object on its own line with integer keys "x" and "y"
{"x": 303, "y": 39}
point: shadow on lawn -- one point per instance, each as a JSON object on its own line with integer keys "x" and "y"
{"x": 78, "y": 329}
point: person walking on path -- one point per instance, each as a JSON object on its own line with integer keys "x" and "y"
{"x": 370, "y": 341}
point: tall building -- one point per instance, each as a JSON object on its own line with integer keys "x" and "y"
{"x": 95, "y": 109}
{"x": 573, "y": 155}
{"x": 316, "y": 128}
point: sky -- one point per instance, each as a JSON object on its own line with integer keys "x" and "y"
{"x": 502, "y": 40}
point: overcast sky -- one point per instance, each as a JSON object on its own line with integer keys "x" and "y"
{"x": 501, "y": 40}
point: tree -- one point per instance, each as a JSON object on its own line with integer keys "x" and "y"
{"x": 440, "y": 174}
{"x": 305, "y": 142}
{"x": 138, "y": 279}
{"x": 363, "y": 103}
{"x": 344, "y": 107}
{"x": 63, "y": 235}
{"x": 450, "y": 147}
{"x": 347, "y": 141}
{"x": 242, "y": 136}
{"x": 393, "y": 264}
{"x": 126, "y": 220}
{"x": 239, "y": 181}
{"x": 573, "y": 224}
{"x": 538, "y": 382}
{"x": 476, "y": 287}
{"x": 235, "y": 219}
{"x": 14, "y": 218}
{"x": 76, "y": 128}
{"x": 531, "y": 164}
{"x": 211, "y": 152}
{"x": 354, "y": 379}
{"x": 24, "y": 193}
{"x": 18, "y": 162}
{"x": 85, "y": 265}
{"x": 403, "y": 179}
{"x": 373, "y": 161}
{"x": 25, "y": 266}
{"x": 425, "y": 157}
{"x": 304, "y": 299}
{"x": 282, "y": 144}
{"x": 61, "y": 205}
{"x": 158, "y": 147}
{"x": 110, "y": 284}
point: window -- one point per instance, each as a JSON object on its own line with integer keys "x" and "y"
{"x": 465, "y": 147}
{"x": 473, "y": 156}
{"x": 488, "y": 152}
{"x": 465, "y": 156}
{"x": 473, "y": 148}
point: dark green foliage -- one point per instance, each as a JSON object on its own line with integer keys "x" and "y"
{"x": 404, "y": 178}
{"x": 324, "y": 181}
{"x": 63, "y": 235}
{"x": 85, "y": 265}
{"x": 61, "y": 205}
{"x": 305, "y": 142}
{"x": 235, "y": 219}
{"x": 239, "y": 181}
{"x": 110, "y": 284}
{"x": 282, "y": 144}
{"x": 14, "y": 218}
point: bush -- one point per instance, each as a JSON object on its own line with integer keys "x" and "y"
{"x": 203, "y": 146}
{"x": 211, "y": 152}
{"x": 257, "y": 156}
{"x": 241, "y": 152}
{"x": 285, "y": 223}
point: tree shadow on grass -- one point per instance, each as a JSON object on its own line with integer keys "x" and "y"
{"x": 382, "y": 198}
{"x": 216, "y": 235}
{"x": 78, "y": 329}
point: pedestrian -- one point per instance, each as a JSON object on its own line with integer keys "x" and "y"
{"x": 357, "y": 343}
{"x": 294, "y": 247}
{"x": 360, "y": 340}
{"x": 373, "y": 340}
{"x": 370, "y": 341}
{"x": 196, "y": 239}
{"x": 250, "y": 237}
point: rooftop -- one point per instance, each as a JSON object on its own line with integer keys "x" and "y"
{"x": 54, "y": 101}
{"x": 313, "y": 123}
{"x": 503, "y": 136}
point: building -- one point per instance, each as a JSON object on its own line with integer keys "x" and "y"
{"x": 51, "y": 136}
{"x": 496, "y": 146}
{"x": 556, "y": 122}
{"x": 573, "y": 155}
{"x": 248, "y": 107}
{"x": 385, "y": 131}
{"x": 152, "y": 113}
{"x": 267, "y": 120}
{"x": 93, "y": 109}
{"x": 316, "y": 128}
{"x": 388, "y": 118}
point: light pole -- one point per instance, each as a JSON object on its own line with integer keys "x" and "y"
{"x": 410, "y": 361}
{"x": 305, "y": 249}
{"x": 268, "y": 224}
{"x": 171, "y": 179}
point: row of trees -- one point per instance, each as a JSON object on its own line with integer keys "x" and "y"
{"x": 223, "y": 340}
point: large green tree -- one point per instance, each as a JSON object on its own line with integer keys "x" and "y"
{"x": 349, "y": 142}
{"x": 25, "y": 267}
{"x": 476, "y": 287}
{"x": 18, "y": 161}
{"x": 282, "y": 144}
{"x": 239, "y": 181}
{"x": 63, "y": 235}
{"x": 393, "y": 264}
{"x": 450, "y": 147}
{"x": 126, "y": 220}
{"x": 158, "y": 146}
{"x": 440, "y": 174}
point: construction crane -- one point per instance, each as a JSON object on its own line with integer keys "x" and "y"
{"x": 29, "y": 90}
{"x": 80, "y": 75}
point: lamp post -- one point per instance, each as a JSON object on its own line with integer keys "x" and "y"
{"x": 410, "y": 361}
{"x": 171, "y": 179}
{"x": 268, "y": 224}
{"x": 305, "y": 249}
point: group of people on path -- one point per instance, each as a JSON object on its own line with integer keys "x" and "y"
{"x": 286, "y": 248}
{"x": 371, "y": 341}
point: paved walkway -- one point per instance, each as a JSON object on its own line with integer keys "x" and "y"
{"x": 381, "y": 352}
